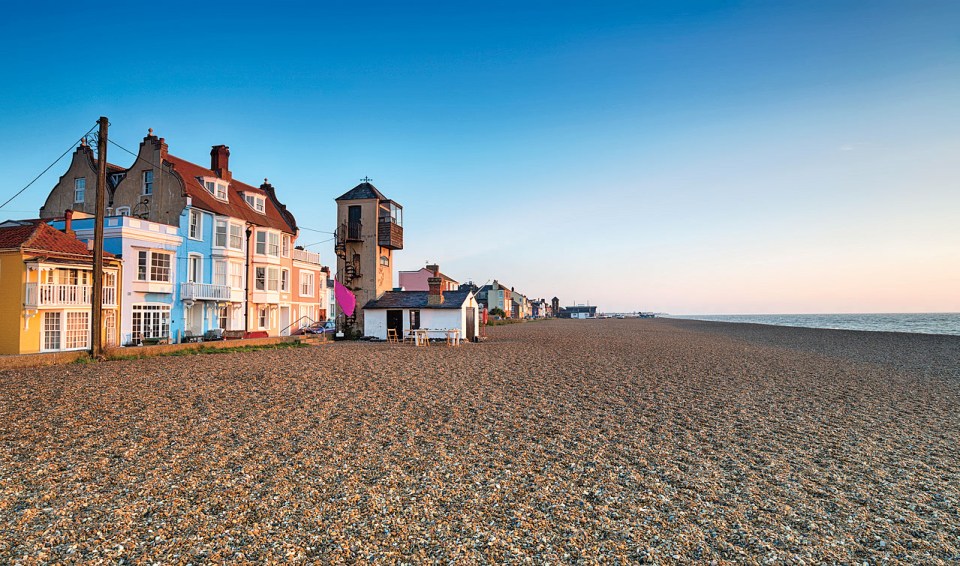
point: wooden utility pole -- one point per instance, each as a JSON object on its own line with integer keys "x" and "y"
{"x": 97, "y": 321}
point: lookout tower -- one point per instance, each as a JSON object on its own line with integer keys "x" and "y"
{"x": 369, "y": 230}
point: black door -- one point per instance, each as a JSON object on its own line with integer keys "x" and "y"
{"x": 395, "y": 321}
{"x": 471, "y": 324}
{"x": 353, "y": 222}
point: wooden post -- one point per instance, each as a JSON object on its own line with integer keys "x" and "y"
{"x": 97, "y": 319}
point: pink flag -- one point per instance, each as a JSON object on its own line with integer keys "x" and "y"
{"x": 345, "y": 298}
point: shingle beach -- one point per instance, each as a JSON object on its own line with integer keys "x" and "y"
{"x": 560, "y": 441}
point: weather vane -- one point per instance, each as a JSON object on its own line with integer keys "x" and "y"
{"x": 366, "y": 180}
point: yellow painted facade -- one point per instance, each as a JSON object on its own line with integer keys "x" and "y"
{"x": 36, "y": 291}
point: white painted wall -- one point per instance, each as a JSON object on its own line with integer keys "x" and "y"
{"x": 135, "y": 235}
{"x": 375, "y": 320}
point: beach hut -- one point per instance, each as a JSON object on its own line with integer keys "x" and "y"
{"x": 435, "y": 310}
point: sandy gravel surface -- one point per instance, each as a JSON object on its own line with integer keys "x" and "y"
{"x": 561, "y": 441}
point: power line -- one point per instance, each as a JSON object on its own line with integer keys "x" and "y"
{"x": 69, "y": 149}
{"x": 318, "y": 243}
{"x": 315, "y": 230}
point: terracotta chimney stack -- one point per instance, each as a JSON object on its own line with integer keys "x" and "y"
{"x": 220, "y": 161}
{"x": 68, "y": 222}
{"x": 435, "y": 296}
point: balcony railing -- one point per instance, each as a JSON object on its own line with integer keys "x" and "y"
{"x": 304, "y": 255}
{"x": 56, "y": 295}
{"x": 354, "y": 228}
{"x": 204, "y": 292}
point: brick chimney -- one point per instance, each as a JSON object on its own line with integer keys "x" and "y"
{"x": 68, "y": 223}
{"x": 435, "y": 296}
{"x": 220, "y": 161}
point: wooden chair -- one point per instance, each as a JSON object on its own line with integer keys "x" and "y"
{"x": 410, "y": 336}
{"x": 392, "y": 336}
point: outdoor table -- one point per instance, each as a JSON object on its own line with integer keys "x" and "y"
{"x": 423, "y": 335}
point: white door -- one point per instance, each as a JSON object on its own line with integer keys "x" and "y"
{"x": 110, "y": 327}
{"x": 284, "y": 321}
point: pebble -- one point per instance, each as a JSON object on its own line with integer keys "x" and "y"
{"x": 560, "y": 441}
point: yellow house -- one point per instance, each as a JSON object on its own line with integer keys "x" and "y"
{"x": 46, "y": 282}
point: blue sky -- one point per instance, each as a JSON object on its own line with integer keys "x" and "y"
{"x": 707, "y": 157}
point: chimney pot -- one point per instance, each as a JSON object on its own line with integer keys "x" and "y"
{"x": 68, "y": 222}
{"x": 220, "y": 161}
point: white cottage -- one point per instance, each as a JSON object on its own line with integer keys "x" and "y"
{"x": 411, "y": 310}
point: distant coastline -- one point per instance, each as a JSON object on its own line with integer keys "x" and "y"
{"x": 915, "y": 323}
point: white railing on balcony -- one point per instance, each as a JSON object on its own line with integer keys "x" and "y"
{"x": 304, "y": 255}
{"x": 55, "y": 295}
{"x": 204, "y": 292}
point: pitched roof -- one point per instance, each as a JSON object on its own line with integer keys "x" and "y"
{"x": 417, "y": 300}
{"x": 362, "y": 191}
{"x": 43, "y": 238}
{"x": 237, "y": 207}
{"x": 442, "y": 274}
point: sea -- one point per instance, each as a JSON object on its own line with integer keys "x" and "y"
{"x": 921, "y": 323}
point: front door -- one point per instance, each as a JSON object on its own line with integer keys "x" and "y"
{"x": 285, "y": 321}
{"x": 110, "y": 327}
{"x": 471, "y": 324}
{"x": 395, "y": 322}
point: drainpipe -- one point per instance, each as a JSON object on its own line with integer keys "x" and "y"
{"x": 246, "y": 292}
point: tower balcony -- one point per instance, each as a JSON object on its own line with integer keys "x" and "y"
{"x": 389, "y": 233}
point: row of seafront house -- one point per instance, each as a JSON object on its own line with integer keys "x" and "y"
{"x": 189, "y": 250}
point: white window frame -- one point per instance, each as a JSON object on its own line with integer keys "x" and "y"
{"x": 146, "y": 179}
{"x": 145, "y": 261}
{"x": 122, "y": 211}
{"x": 220, "y": 272}
{"x": 150, "y": 320}
{"x": 79, "y": 189}
{"x": 261, "y": 246}
{"x": 220, "y": 239}
{"x": 47, "y": 331}
{"x": 194, "y": 268}
{"x": 256, "y": 202}
{"x": 273, "y": 244}
{"x": 285, "y": 245}
{"x": 273, "y": 279}
{"x": 260, "y": 278}
{"x": 284, "y": 280}
{"x": 236, "y": 275}
{"x": 235, "y": 238}
{"x": 216, "y": 188}
{"x": 306, "y": 284}
{"x": 262, "y": 317}
{"x": 195, "y": 229}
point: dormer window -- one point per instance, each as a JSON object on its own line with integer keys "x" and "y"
{"x": 216, "y": 188}
{"x": 256, "y": 202}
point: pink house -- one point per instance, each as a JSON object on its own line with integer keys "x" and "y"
{"x": 417, "y": 280}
